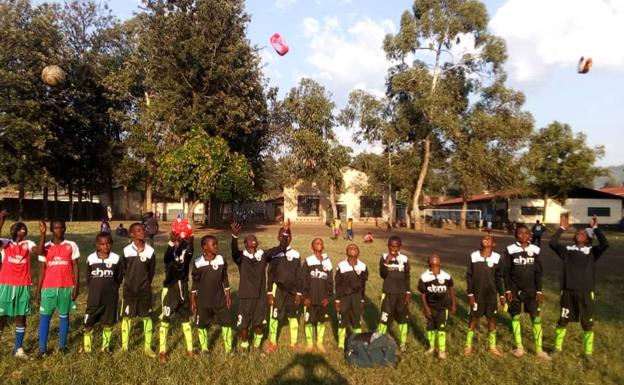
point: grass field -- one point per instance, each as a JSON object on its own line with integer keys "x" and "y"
{"x": 286, "y": 367}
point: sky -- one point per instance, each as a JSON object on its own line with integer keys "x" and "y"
{"x": 339, "y": 44}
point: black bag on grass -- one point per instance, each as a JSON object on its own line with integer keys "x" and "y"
{"x": 367, "y": 350}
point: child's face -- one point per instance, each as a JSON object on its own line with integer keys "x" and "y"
{"x": 138, "y": 233}
{"x": 434, "y": 263}
{"x": 251, "y": 241}
{"x": 523, "y": 235}
{"x": 317, "y": 245}
{"x": 211, "y": 247}
{"x": 353, "y": 251}
{"x": 487, "y": 242}
{"x": 394, "y": 247}
{"x": 19, "y": 231}
{"x": 58, "y": 230}
{"x": 103, "y": 245}
{"x": 581, "y": 238}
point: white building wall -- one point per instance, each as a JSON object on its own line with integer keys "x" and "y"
{"x": 576, "y": 207}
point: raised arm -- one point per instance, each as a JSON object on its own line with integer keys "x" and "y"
{"x": 283, "y": 245}
{"x": 603, "y": 244}
{"x": 237, "y": 255}
{"x": 39, "y": 249}
{"x": 554, "y": 243}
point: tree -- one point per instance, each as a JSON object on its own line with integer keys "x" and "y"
{"x": 441, "y": 29}
{"x": 313, "y": 153}
{"x": 202, "y": 166}
{"x": 560, "y": 161}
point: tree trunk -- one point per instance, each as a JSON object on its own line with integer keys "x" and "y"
{"x": 191, "y": 209}
{"x": 462, "y": 215}
{"x": 56, "y": 214}
{"x": 126, "y": 202}
{"x": 421, "y": 180}
{"x": 332, "y": 199}
{"x": 71, "y": 202}
{"x": 45, "y": 202}
{"x": 545, "y": 208}
{"x": 148, "y": 190}
{"x": 79, "y": 213}
{"x": 20, "y": 209}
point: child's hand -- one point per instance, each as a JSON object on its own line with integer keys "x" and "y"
{"x": 564, "y": 221}
{"x": 74, "y": 293}
{"x": 194, "y": 305}
{"x": 362, "y": 304}
{"x": 3, "y": 214}
{"x": 42, "y": 227}
{"x": 37, "y": 297}
{"x": 270, "y": 299}
{"x": 407, "y": 299}
{"x": 286, "y": 225}
{"x": 594, "y": 222}
{"x": 307, "y": 302}
{"x": 471, "y": 301}
{"x": 427, "y": 311}
{"x": 228, "y": 300}
{"x": 502, "y": 301}
{"x": 509, "y": 297}
{"x": 298, "y": 299}
{"x": 325, "y": 302}
{"x": 538, "y": 298}
{"x": 235, "y": 226}
{"x": 338, "y": 306}
{"x": 453, "y": 308}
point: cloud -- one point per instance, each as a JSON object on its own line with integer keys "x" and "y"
{"x": 282, "y": 4}
{"x": 545, "y": 36}
{"x": 344, "y": 59}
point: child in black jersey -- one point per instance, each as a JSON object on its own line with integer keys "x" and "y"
{"x": 175, "y": 296}
{"x": 282, "y": 294}
{"x": 394, "y": 269}
{"x": 484, "y": 280}
{"x": 438, "y": 296}
{"x": 317, "y": 280}
{"x": 139, "y": 266}
{"x": 523, "y": 283}
{"x": 577, "y": 281}
{"x": 103, "y": 277}
{"x": 210, "y": 298}
{"x": 252, "y": 262}
{"x": 351, "y": 277}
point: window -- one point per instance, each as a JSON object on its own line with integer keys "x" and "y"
{"x": 531, "y": 210}
{"x": 308, "y": 206}
{"x": 599, "y": 211}
{"x": 370, "y": 206}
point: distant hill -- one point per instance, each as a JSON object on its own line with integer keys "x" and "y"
{"x": 617, "y": 174}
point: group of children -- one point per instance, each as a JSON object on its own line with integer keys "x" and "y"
{"x": 512, "y": 280}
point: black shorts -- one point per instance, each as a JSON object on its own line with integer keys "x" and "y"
{"x": 106, "y": 314}
{"x": 284, "y": 305}
{"x": 488, "y": 309}
{"x": 351, "y": 308}
{"x": 439, "y": 317}
{"x": 314, "y": 314}
{"x": 136, "y": 307}
{"x": 524, "y": 300}
{"x": 393, "y": 308}
{"x": 577, "y": 306}
{"x": 251, "y": 312}
{"x": 207, "y": 316}
{"x": 176, "y": 300}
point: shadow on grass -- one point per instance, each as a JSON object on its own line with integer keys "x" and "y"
{"x": 316, "y": 370}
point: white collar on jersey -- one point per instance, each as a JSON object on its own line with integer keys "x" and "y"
{"x": 312, "y": 260}
{"x": 428, "y": 276}
{"x": 517, "y": 248}
{"x": 215, "y": 262}
{"x": 344, "y": 266}
{"x": 491, "y": 260}
{"x": 257, "y": 255}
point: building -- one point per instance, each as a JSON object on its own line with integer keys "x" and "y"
{"x": 581, "y": 205}
{"x": 305, "y": 201}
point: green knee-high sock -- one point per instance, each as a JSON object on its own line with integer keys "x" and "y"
{"x": 162, "y": 337}
{"x": 431, "y": 338}
{"x": 309, "y": 333}
{"x": 342, "y": 336}
{"x": 588, "y": 343}
{"x": 126, "y": 325}
{"x": 107, "y": 333}
{"x": 320, "y": 333}
{"x": 293, "y": 325}
{"x": 469, "y": 338}
{"x": 202, "y": 335}
{"x": 226, "y": 333}
{"x": 402, "y": 333}
{"x": 517, "y": 332}
{"x": 441, "y": 341}
{"x": 357, "y": 330}
{"x": 257, "y": 341}
{"x": 88, "y": 340}
{"x": 537, "y": 333}
{"x": 382, "y": 328}
{"x": 492, "y": 339}
{"x": 273, "y": 325}
{"x": 559, "y": 337}
{"x": 188, "y": 336}
{"x": 148, "y": 330}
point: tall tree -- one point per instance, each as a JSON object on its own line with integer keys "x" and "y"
{"x": 442, "y": 35}
{"x": 560, "y": 161}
